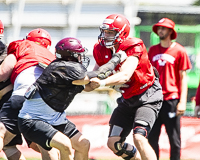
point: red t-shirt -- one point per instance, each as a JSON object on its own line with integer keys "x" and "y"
{"x": 143, "y": 77}
{"x": 28, "y": 54}
{"x": 169, "y": 61}
{"x": 198, "y": 96}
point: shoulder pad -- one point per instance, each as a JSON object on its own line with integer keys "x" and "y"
{"x": 129, "y": 42}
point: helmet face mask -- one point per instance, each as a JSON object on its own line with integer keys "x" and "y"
{"x": 108, "y": 37}
{"x": 71, "y": 49}
{"x": 117, "y": 23}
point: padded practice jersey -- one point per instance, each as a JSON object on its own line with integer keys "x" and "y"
{"x": 55, "y": 83}
{"x": 143, "y": 77}
{"x": 28, "y": 53}
{"x": 168, "y": 62}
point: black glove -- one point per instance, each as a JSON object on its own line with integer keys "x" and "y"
{"x": 107, "y": 69}
{"x": 118, "y": 87}
{"x": 2, "y": 48}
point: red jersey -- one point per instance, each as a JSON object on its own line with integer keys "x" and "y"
{"x": 169, "y": 61}
{"x": 28, "y": 54}
{"x": 143, "y": 76}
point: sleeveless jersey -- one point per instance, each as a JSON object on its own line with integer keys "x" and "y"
{"x": 28, "y": 53}
{"x": 168, "y": 62}
{"x": 55, "y": 83}
{"x": 143, "y": 76}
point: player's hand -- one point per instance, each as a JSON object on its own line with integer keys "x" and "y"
{"x": 180, "y": 108}
{"x": 122, "y": 54}
{"x": 197, "y": 111}
{"x": 94, "y": 83}
{"x": 118, "y": 87}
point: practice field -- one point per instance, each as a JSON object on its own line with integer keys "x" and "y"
{"x": 95, "y": 128}
{"x": 90, "y": 159}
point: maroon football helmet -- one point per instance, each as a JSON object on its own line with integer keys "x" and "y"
{"x": 71, "y": 49}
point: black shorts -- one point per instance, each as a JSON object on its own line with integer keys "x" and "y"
{"x": 9, "y": 113}
{"x": 9, "y": 116}
{"x": 144, "y": 107}
{"x": 5, "y": 98}
{"x": 41, "y": 132}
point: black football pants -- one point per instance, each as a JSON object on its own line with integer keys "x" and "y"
{"x": 172, "y": 126}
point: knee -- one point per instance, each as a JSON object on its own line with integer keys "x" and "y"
{"x": 139, "y": 139}
{"x": 110, "y": 144}
{"x": 85, "y": 145}
{"x": 121, "y": 148}
{"x": 63, "y": 144}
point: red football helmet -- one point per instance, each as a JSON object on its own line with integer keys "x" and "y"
{"x": 114, "y": 22}
{"x": 40, "y": 36}
{"x": 70, "y": 49}
{"x": 1, "y": 29}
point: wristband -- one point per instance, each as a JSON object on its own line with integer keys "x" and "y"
{"x": 102, "y": 83}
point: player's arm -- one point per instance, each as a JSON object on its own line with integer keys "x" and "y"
{"x": 181, "y": 107}
{"x": 123, "y": 76}
{"x": 102, "y": 72}
{"x": 7, "y": 66}
{"x": 96, "y": 67}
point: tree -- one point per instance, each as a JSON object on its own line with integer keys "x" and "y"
{"x": 196, "y": 3}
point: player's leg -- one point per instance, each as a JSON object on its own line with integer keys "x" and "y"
{"x": 79, "y": 143}
{"x": 123, "y": 149}
{"x": 81, "y": 146}
{"x": 8, "y": 117}
{"x": 53, "y": 154}
{"x": 121, "y": 124}
{"x": 46, "y": 136}
{"x": 12, "y": 153}
{"x": 144, "y": 119}
{"x": 63, "y": 144}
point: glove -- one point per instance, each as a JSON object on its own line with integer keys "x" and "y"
{"x": 117, "y": 58}
{"x": 197, "y": 111}
{"x": 104, "y": 75}
{"x": 2, "y": 48}
{"x": 117, "y": 87}
{"x": 42, "y": 65}
{"x": 122, "y": 55}
{"x": 106, "y": 70}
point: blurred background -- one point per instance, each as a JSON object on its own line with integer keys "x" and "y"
{"x": 81, "y": 19}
